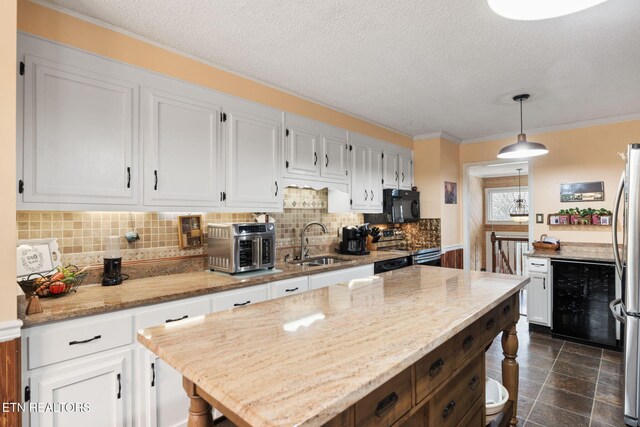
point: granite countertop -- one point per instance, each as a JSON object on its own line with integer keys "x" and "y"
{"x": 97, "y": 299}
{"x": 582, "y": 255}
{"x": 271, "y": 364}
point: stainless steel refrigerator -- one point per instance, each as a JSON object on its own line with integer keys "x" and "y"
{"x": 627, "y": 309}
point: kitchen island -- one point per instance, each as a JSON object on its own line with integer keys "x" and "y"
{"x": 406, "y": 346}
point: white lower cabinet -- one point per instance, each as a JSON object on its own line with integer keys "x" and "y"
{"x": 283, "y": 288}
{"x": 239, "y": 297}
{"x": 539, "y": 292}
{"x": 99, "y": 386}
{"x": 322, "y": 280}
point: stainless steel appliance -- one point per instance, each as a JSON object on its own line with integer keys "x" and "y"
{"x": 354, "y": 240}
{"x": 391, "y": 264}
{"x": 399, "y": 206}
{"x": 429, "y": 256}
{"x": 628, "y": 269}
{"x": 236, "y": 248}
{"x": 394, "y": 239}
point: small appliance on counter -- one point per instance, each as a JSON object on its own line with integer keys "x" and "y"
{"x": 354, "y": 240}
{"x": 241, "y": 247}
{"x": 112, "y": 274}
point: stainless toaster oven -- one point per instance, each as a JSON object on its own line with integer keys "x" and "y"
{"x": 240, "y": 247}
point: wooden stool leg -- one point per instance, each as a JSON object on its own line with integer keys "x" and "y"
{"x": 199, "y": 410}
{"x": 510, "y": 368}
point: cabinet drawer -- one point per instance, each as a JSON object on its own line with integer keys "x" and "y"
{"x": 538, "y": 265}
{"x": 239, "y": 298}
{"x": 387, "y": 403}
{"x": 433, "y": 369}
{"x": 322, "y": 280}
{"x": 282, "y": 288}
{"x": 466, "y": 343}
{"x": 55, "y": 344}
{"x": 172, "y": 312}
{"x": 489, "y": 326}
{"x": 506, "y": 311}
{"x": 456, "y": 398}
{"x": 475, "y": 417}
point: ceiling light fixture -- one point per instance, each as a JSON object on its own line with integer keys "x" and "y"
{"x": 523, "y": 148}
{"x": 533, "y": 10}
{"x": 519, "y": 212}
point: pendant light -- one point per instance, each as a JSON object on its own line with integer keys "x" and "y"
{"x": 519, "y": 212}
{"x": 523, "y": 148}
{"x": 533, "y": 10}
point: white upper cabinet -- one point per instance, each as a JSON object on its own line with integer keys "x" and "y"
{"x": 80, "y": 137}
{"x": 182, "y": 150}
{"x": 390, "y": 175}
{"x": 253, "y": 146}
{"x": 366, "y": 175}
{"x": 315, "y": 150}
{"x": 406, "y": 172}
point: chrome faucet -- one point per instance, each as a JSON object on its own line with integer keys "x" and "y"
{"x": 305, "y": 252}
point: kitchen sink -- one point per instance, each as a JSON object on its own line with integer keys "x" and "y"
{"x": 320, "y": 260}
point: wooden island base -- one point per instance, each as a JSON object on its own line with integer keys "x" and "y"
{"x": 444, "y": 388}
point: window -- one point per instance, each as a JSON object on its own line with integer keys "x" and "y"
{"x": 498, "y": 201}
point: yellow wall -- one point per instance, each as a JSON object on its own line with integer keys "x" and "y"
{"x": 60, "y": 27}
{"x": 8, "y": 159}
{"x": 435, "y": 161}
{"x": 576, "y": 155}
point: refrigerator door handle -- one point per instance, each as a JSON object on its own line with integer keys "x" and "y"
{"x": 614, "y": 228}
{"x": 612, "y": 306}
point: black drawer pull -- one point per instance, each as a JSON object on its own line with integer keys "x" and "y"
{"x": 175, "y": 320}
{"x": 240, "y": 304}
{"x": 385, "y": 404}
{"x": 474, "y": 383}
{"x": 291, "y": 290}
{"x": 490, "y": 323}
{"x": 467, "y": 343}
{"x": 506, "y": 310}
{"x": 97, "y": 337}
{"x": 436, "y": 367}
{"x": 537, "y": 265}
{"x": 315, "y": 159}
{"x": 448, "y": 409}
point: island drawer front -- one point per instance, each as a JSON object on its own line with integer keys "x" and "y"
{"x": 172, "y": 312}
{"x": 80, "y": 339}
{"x": 538, "y": 265}
{"x": 466, "y": 343}
{"x": 239, "y": 297}
{"x": 386, "y": 404}
{"x": 433, "y": 369}
{"x": 498, "y": 318}
{"x": 506, "y": 311}
{"x": 475, "y": 417}
{"x": 452, "y": 403}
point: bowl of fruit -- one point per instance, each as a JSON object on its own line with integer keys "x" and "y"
{"x": 59, "y": 282}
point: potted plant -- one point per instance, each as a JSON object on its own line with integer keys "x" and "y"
{"x": 563, "y": 216}
{"x": 580, "y": 216}
{"x": 601, "y": 217}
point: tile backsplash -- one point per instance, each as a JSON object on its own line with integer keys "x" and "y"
{"x": 81, "y": 234}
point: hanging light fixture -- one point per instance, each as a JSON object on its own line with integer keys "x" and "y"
{"x": 519, "y": 212}
{"x": 523, "y": 148}
{"x": 533, "y": 10}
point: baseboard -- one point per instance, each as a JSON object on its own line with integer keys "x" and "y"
{"x": 10, "y": 330}
{"x": 539, "y": 328}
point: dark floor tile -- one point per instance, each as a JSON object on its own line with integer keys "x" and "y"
{"x": 548, "y": 415}
{"x": 531, "y": 424}
{"x": 578, "y": 359}
{"x": 539, "y": 350}
{"x": 535, "y": 361}
{"x": 611, "y": 395}
{"x": 611, "y": 380}
{"x": 609, "y": 414}
{"x": 539, "y": 338}
{"x": 583, "y": 350}
{"x": 528, "y": 388}
{"x": 571, "y": 384}
{"x": 538, "y": 375}
{"x": 577, "y": 371}
{"x": 596, "y": 423}
{"x": 612, "y": 356}
{"x": 524, "y": 406}
{"x": 562, "y": 399}
{"x": 612, "y": 367}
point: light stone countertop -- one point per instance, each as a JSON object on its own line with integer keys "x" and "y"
{"x": 303, "y": 359}
{"x": 97, "y": 299}
{"x": 584, "y": 255}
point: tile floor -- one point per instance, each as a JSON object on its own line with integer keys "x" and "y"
{"x": 563, "y": 383}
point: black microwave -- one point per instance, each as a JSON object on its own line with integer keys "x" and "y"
{"x": 399, "y": 206}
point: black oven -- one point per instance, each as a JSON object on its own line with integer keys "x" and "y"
{"x": 427, "y": 257}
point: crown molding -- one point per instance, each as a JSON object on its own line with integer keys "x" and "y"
{"x": 442, "y": 135}
{"x": 556, "y": 128}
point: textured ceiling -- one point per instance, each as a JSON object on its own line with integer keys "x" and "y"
{"x": 412, "y": 65}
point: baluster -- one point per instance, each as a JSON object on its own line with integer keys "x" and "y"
{"x": 493, "y": 252}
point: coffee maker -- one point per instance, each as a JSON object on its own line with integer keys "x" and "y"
{"x": 112, "y": 274}
{"x": 354, "y": 240}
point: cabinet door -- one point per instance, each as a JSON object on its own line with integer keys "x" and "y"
{"x": 360, "y": 178}
{"x": 390, "y": 172}
{"x": 375, "y": 180}
{"x": 406, "y": 172}
{"x": 253, "y": 144}
{"x": 538, "y": 300}
{"x": 182, "y": 149}
{"x": 80, "y": 136}
{"x": 103, "y": 383}
{"x": 335, "y": 157}
{"x": 303, "y": 151}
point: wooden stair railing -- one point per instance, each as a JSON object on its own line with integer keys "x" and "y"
{"x": 506, "y": 253}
